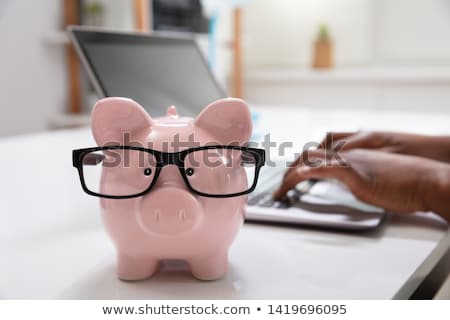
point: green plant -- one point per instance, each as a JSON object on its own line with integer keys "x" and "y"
{"x": 323, "y": 34}
{"x": 94, "y": 9}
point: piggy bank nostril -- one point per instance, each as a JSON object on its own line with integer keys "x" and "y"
{"x": 182, "y": 215}
{"x": 157, "y": 214}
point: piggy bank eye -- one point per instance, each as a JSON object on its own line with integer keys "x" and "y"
{"x": 147, "y": 171}
{"x": 189, "y": 171}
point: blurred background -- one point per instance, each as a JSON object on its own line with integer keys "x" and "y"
{"x": 390, "y": 55}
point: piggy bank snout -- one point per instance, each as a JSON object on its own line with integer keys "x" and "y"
{"x": 169, "y": 211}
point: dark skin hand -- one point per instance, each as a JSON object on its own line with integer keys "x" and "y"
{"x": 399, "y": 183}
{"x": 432, "y": 147}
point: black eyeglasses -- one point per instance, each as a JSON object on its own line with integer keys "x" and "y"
{"x": 120, "y": 172}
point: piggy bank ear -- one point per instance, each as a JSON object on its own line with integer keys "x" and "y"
{"x": 119, "y": 121}
{"x": 227, "y": 120}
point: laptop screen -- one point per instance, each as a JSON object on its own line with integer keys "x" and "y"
{"x": 155, "y": 71}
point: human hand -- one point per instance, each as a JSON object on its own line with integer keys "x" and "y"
{"x": 432, "y": 147}
{"x": 397, "y": 183}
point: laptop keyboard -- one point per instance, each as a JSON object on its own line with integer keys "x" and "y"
{"x": 265, "y": 200}
{"x": 324, "y": 203}
{"x": 313, "y": 192}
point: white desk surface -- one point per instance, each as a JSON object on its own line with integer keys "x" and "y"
{"x": 52, "y": 243}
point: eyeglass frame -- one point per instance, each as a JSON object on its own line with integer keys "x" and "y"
{"x": 167, "y": 158}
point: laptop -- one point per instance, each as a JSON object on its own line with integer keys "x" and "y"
{"x": 158, "y": 70}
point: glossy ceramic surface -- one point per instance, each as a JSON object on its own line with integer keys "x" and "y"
{"x": 170, "y": 222}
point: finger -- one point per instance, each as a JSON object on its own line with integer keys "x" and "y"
{"x": 327, "y": 141}
{"x": 334, "y": 170}
{"x": 360, "y": 140}
{"x": 295, "y": 177}
{"x": 307, "y": 157}
{"x": 332, "y": 137}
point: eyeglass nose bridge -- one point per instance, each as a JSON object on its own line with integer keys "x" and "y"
{"x": 168, "y": 158}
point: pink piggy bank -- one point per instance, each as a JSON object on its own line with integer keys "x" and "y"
{"x": 171, "y": 187}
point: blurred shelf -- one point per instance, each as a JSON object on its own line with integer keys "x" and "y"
{"x": 361, "y": 88}
{"x": 350, "y": 75}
